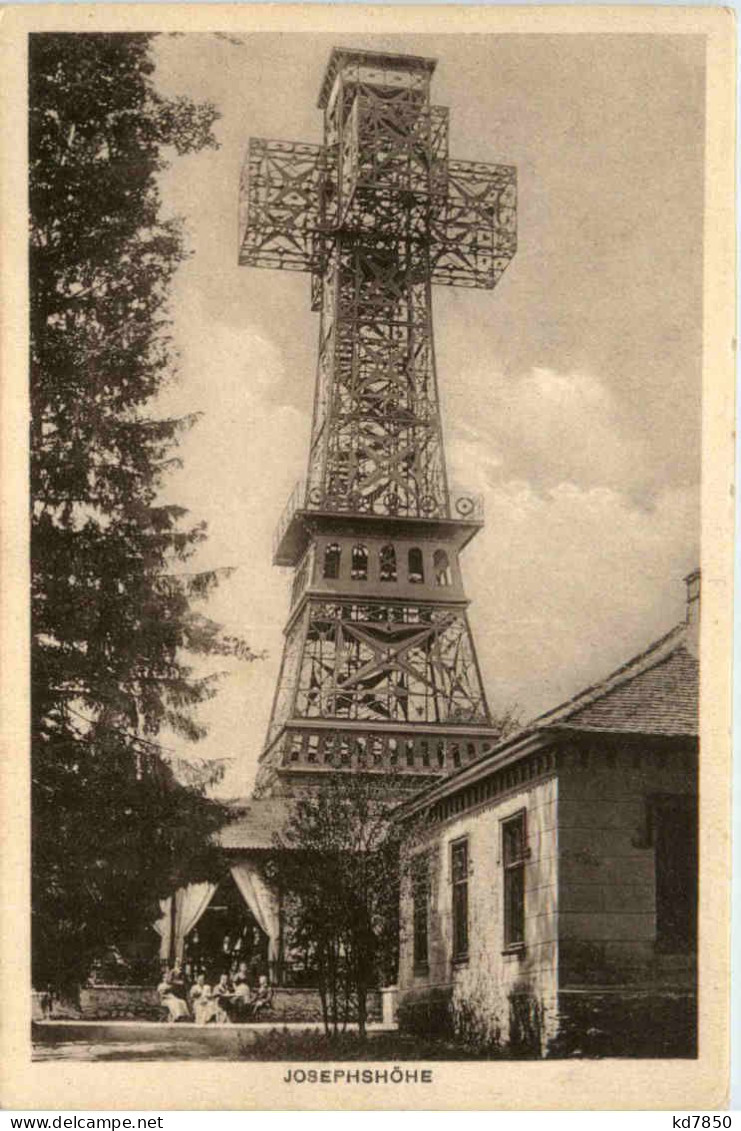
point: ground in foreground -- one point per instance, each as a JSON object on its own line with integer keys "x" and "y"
{"x": 137, "y": 1040}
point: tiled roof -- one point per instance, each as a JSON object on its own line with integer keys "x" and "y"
{"x": 657, "y": 692}
{"x": 256, "y": 823}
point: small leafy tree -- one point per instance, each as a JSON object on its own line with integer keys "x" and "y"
{"x": 114, "y": 613}
{"x": 337, "y": 864}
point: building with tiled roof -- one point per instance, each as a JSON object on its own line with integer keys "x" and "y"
{"x": 550, "y": 888}
{"x": 257, "y": 824}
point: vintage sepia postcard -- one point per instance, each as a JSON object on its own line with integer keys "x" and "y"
{"x": 368, "y": 386}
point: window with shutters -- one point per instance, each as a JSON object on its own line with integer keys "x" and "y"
{"x": 514, "y": 853}
{"x": 459, "y": 869}
{"x": 421, "y": 911}
{"x": 673, "y": 828}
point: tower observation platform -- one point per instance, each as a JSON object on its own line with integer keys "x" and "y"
{"x": 379, "y": 673}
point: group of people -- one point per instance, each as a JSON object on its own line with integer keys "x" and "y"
{"x": 230, "y": 998}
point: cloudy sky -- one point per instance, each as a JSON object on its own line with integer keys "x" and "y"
{"x": 571, "y": 392}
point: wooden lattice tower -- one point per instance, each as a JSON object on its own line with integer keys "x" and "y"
{"x": 379, "y": 671}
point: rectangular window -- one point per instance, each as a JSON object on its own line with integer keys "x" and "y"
{"x": 459, "y": 877}
{"x": 674, "y": 834}
{"x": 513, "y": 862}
{"x": 420, "y": 908}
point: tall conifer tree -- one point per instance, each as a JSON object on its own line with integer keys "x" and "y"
{"x": 112, "y": 608}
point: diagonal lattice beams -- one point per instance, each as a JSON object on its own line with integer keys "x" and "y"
{"x": 473, "y": 231}
{"x": 377, "y": 215}
{"x": 389, "y": 178}
{"x": 280, "y": 205}
{"x": 355, "y": 666}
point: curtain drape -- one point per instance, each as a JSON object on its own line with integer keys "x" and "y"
{"x": 190, "y": 903}
{"x": 261, "y": 900}
{"x": 163, "y": 927}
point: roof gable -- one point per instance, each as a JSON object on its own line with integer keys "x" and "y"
{"x": 656, "y": 691}
{"x": 661, "y": 700}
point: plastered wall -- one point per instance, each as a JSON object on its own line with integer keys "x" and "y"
{"x": 607, "y": 897}
{"x": 481, "y": 988}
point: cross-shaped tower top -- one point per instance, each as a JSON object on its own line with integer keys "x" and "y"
{"x": 382, "y": 137}
{"x": 377, "y": 215}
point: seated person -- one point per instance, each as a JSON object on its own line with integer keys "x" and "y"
{"x": 178, "y": 982}
{"x": 240, "y": 1007}
{"x": 176, "y": 1007}
{"x": 222, "y": 995}
{"x": 242, "y": 975}
{"x": 204, "y": 1007}
{"x": 263, "y": 996}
